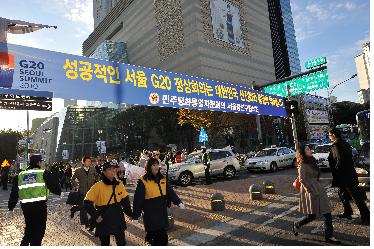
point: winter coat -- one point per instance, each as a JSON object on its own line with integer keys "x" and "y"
{"x": 85, "y": 179}
{"x": 341, "y": 165}
{"x": 151, "y": 197}
{"x": 313, "y": 197}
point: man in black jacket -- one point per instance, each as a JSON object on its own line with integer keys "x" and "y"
{"x": 345, "y": 177}
{"x": 31, "y": 188}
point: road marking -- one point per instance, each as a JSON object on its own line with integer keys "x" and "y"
{"x": 293, "y": 209}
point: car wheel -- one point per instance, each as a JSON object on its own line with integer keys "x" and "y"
{"x": 185, "y": 178}
{"x": 229, "y": 172}
{"x": 273, "y": 167}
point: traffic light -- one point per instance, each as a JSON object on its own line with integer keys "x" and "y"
{"x": 292, "y": 107}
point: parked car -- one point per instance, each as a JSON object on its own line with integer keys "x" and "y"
{"x": 321, "y": 153}
{"x": 271, "y": 159}
{"x": 362, "y": 165}
{"x": 223, "y": 162}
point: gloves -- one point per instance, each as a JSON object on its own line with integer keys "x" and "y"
{"x": 181, "y": 206}
{"x": 135, "y": 221}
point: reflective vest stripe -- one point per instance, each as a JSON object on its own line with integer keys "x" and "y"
{"x": 34, "y": 199}
{"x": 31, "y": 185}
{"x": 33, "y": 171}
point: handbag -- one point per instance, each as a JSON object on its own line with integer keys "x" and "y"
{"x": 297, "y": 184}
{"x": 74, "y": 198}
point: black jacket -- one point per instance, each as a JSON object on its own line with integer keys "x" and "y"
{"x": 51, "y": 181}
{"x": 100, "y": 201}
{"x": 341, "y": 164}
{"x": 155, "y": 209}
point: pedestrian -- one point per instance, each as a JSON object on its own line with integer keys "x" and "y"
{"x": 144, "y": 158}
{"x": 151, "y": 195}
{"x": 106, "y": 201}
{"x": 206, "y": 162}
{"x": 31, "y": 188}
{"x": 68, "y": 176}
{"x": 313, "y": 197}
{"x": 98, "y": 164}
{"x": 345, "y": 177}
{"x": 83, "y": 179}
{"x": 178, "y": 157}
{"x": 5, "y": 169}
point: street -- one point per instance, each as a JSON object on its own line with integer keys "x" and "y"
{"x": 244, "y": 222}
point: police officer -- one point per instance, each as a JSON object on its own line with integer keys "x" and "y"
{"x": 106, "y": 202}
{"x": 206, "y": 162}
{"x": 151, "y": 195}
{"x": 32, "y": 187}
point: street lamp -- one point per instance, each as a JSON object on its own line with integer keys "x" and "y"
{"x": 329, "y": 92}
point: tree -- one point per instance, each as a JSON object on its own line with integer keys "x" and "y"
{"x": 231, "y": 127}
{"x": 345, "y": 112}
{"x": 9, "y": 144}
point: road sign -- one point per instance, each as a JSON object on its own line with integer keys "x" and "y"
{"x": 20, "y": 102}
{"x": 299, "y": 85}
{"x": 203, "y": 137}
{"x": 316, "y": 62}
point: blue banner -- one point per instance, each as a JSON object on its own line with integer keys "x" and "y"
{"x": 77, "y": 77}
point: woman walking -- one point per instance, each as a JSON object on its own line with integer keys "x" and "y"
{"x": 313, "y": 197}
{"x": 151, "y": 195}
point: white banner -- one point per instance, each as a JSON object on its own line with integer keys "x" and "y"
{"x": 226, "y": 22}
{"x": 317, "y": 116}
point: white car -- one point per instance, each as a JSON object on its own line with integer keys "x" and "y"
{"x": 271, "y": 159}
{"x": 321, "y": 153}
{"x": 223, "y": 162}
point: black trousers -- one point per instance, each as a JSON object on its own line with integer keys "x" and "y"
{"x": 4, "y": 181}
{"x": 35, "y": 221}
{"x": 329, "y": 230}
{"x": 120, "y": 239}
{"x": 353, "y": 192}
{"x": 157, "y": 238}
{"x": 208, "y": 179}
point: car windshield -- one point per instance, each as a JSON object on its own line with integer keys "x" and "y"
{"x": 263, "y": 153}
{"x": 322, "y": 149}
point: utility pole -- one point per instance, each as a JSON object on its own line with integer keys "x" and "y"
{"x": 293, "y": 121}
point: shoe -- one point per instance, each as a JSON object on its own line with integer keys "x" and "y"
{"x": 295, "y": 229}
{"x": 333, "y": 240}
{"x": 345, "y": 216}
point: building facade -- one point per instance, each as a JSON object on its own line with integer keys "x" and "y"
{"x": 45, "y": 139}
{"x": 101, "y": 8}
{"x": 363, "y": 72}
{"x": 285, "y": 51}
{"x": 225, "y": 40}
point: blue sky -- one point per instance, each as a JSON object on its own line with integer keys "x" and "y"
{"x": 334, "y": 28}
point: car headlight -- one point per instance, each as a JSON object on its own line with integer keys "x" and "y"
{"x": 361, "y": 171}
{"x": 263, "y": 162}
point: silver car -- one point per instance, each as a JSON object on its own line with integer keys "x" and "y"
{"x": 223, "y": 162}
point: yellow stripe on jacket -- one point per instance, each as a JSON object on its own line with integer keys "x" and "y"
{"x": 151, "y": 188}
{"x": 100, "y": 193}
